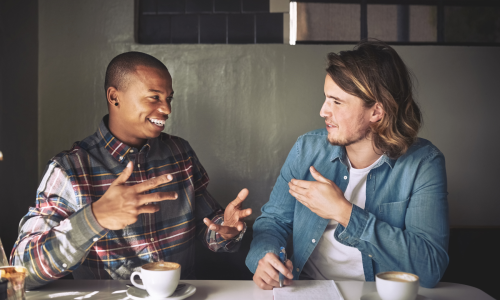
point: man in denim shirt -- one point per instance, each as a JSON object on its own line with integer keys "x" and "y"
{"x": 364, "y": 195}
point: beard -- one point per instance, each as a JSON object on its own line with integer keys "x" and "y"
{"x": 360, "y": 135}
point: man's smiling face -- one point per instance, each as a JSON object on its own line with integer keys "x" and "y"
{"x": 346, "y": 118}
{"x": 144, "y": 104}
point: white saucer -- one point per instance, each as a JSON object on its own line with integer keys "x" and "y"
{"x": 375, "y": 296}
{"x": 139, "y": 294}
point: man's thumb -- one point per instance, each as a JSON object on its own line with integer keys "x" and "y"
{"x": 317, "y": 175}
{"x": 125, "y": 174}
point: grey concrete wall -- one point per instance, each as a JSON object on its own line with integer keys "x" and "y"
{"x": 243, "y": 106}
{"x": 18, "y": 113}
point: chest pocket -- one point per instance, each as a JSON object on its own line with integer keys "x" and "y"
{"x": 393, "y": 213}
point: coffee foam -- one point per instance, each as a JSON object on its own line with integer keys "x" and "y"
{"x": 161, "y": 266}
{"x": 398, "y": 276}
{"x": 10, "y": 271}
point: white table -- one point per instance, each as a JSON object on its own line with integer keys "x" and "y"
{"x": 230, "y": 290}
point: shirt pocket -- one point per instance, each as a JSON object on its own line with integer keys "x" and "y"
{"x": 393, "y": 213}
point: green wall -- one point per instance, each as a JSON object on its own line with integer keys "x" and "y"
{"x": 243, "y": 106}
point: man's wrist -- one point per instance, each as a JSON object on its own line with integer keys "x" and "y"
{"x": 242, "y": 232}
{"x": 237, "y": 237}
{"x": 344, "y": 213}
{"x": 94, "y": 206}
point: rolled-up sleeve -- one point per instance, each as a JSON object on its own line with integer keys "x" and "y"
{"x": 421, "y": 246}
{"x": 57, "y": 234}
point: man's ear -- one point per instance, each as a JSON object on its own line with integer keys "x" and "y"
{"x": 112, "y": 95}
{"x": 378, "y": 112}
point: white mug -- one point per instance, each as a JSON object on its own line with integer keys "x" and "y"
{"x": 397, "y": 285}
{"x": 160, "y": 278}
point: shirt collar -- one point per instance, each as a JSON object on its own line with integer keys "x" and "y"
{"x": 387, "y": 160}
{"x": 114, "y": 146}
{"x": 339, "y": 152}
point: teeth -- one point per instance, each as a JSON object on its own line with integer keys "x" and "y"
{"x": 157, "y": 122}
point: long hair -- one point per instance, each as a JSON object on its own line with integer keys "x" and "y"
{"x": 375, "y": 73}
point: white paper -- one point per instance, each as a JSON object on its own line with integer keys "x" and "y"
{"x": 308, "y": 289}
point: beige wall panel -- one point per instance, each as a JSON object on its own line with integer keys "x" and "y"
{"x": 328, "y": 22}
{"x": 423, "y": 23}
{"x": 382, "y": 22}
{"x": 279, "y": 6}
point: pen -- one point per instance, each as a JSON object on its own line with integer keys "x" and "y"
{"x": 283, "y": 260}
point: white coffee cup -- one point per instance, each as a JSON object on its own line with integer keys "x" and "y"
{"x": 160, "y": 278}
{"x": 397, "y": 285}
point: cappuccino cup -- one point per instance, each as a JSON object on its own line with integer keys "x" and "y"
{"x": 160, "y": 279}
{"x": 397, "y": 285}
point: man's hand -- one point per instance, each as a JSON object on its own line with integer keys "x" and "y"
{"x": 323, "y": 197}
{"x": 267, "y": 274}
{"x": 121, "y": 205}
{"x": 233, "y": 216}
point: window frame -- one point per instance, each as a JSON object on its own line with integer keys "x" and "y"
{"x": 440, "y": 4}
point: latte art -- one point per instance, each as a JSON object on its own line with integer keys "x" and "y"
{"x": 161, "y": 266}
{"x": 398, "y": 276}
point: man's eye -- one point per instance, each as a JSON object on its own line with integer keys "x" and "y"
{"x": 170, "y": 99}
{"x": 155, "y": 97}
{"x": 336, "y": 102}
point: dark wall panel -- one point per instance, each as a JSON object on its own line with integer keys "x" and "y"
{"x": 199, "y": 6}
{"x": 207, "y": 22}
{"x": 241, "y": 29}
{"x": 227, "y": 6}
{"x": 185, "y": 29}
{"x": 147, "y": 6}
{"x": 18, "y": 114}
{"x": 255, "y": 5}
{"x": 213, "y": 29}
{"x": 154, "y": 29}
{"x": 269, "y": 28}
{"x": 171, "y": 6}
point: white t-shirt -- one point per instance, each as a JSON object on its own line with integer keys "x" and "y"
{"x": 330, "y": 259}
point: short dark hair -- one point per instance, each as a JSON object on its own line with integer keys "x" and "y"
{"x": 374, "y": 72}
{"x": 125, "y": 63}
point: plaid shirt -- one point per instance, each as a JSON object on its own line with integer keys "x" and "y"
{"x": 61, "y": 235}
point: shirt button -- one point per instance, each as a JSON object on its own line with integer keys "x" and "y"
{"x": 298, "y": 270}
{"x": 95, "y": 239}
{"x": 131, "y": 151}
{"x": 138, "y": 165}
{"x": 65, "y": 265}
{"x": 121, "y": 157}
{"x": 369, "y": 255}
{"x": 152, "y": 239}
{"x": 345, "y": 177}
{"x": 314, "y": 241}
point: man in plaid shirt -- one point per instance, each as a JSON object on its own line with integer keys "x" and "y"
{"x": 127, "y": 195}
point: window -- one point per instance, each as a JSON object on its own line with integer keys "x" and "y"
{"x": 444, "y": 22}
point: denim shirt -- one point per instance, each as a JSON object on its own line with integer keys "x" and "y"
{"x": 403, "y": 227}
